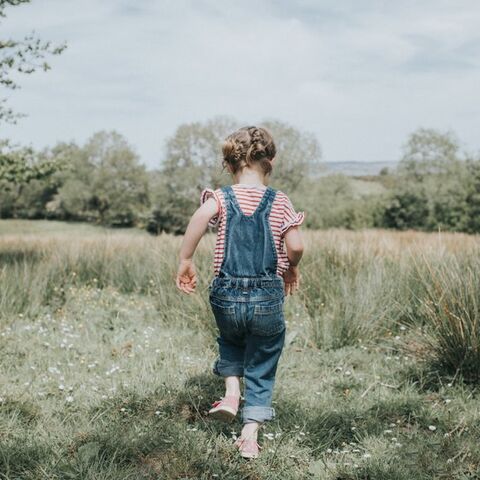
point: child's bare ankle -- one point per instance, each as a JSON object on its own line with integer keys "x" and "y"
{"x": 250, "y": 430}
{"x": 232, "y": 386}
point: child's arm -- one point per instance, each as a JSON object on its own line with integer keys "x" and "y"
{"x": 186, "y": 276}
{"x": 294, "y": 246}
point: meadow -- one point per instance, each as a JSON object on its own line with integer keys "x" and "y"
{"x": 105, "y": 368}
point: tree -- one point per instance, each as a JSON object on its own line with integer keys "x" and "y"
{"x": 104, "y": 183}
{"x": 298, "y": 154}
{"x": 429, "y": 191}
{"x": 119, "y": 183}
{"x": 193, "y": 155}
{"x": 21, "y": 167}
{"x": 23, "y": 56}
{"x": 429, "y": 152}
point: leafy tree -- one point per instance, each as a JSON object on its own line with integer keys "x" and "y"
{"x": 105, "y": 183}
{"x": 23, "y": 56}
{"x": 169, "y": 213}
{"x": 429, "y": 191}
{"x": 72, "y": 200}
{"x": 193, "y": 155}
{"x": 20, "y": 168}
{"x": 429, "y": 152}
{"x": 298, "y": 155}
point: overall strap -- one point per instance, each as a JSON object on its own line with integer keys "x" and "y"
{"x": 228, "y": 196}
{"x": 269, "y": 199}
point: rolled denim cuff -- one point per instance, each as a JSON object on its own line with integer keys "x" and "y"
{"x": 224, "y": 368}
{"x": 257, "y": 414}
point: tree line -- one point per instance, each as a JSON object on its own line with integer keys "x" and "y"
{"x": 435, "y": 186}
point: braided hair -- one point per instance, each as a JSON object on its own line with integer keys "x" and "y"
{"x": 247, "y": 146}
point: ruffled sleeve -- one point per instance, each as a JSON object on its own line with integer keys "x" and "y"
{"x": 206, "y": 194}
{"x": 291, "y": 218}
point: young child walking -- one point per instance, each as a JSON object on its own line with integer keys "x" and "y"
{"x": 253, "y": 271}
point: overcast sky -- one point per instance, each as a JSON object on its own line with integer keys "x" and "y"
{"x": 359, "y": 74}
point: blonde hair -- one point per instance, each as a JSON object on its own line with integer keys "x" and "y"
{"x": 247, "y": 146}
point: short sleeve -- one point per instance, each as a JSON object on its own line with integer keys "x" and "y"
{"x": 290, "y": 217}
{"x": 206, "y": 194}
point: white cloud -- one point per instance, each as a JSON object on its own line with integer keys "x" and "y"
{"x": 360, "y": 75}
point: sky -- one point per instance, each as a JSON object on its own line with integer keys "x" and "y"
{"x": 361, "y": 75}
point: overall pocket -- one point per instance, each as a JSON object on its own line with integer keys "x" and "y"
{"x": 224, "y": 313}
{"x": 268, "y": 319}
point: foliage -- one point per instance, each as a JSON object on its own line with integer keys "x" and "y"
{"x": 331, "y": 202}
{"x": 105, "y": 183}
{"x": 101, "y": 182}
{"x": 169, "y": 213}
{"x": 26, "y": 178}
{"x": 434, "y": 185}
{"x": 21, "y": 166}
{"x": 23, "y": 56}
{"x": 429, "y": 152}
{"x": 407, "y": 209}
{"x": 298, "y": 155}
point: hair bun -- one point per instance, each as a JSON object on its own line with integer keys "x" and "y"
{"x": 258, "y": 150}
{"x": 247, "y": 145}
{"x": 255, "y": 135}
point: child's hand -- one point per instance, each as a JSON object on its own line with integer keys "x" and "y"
{"x": 291, "y": 278}
{"x": 186, "y": 276}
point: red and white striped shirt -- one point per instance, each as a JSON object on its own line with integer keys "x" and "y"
{"x": 282, "y": 217}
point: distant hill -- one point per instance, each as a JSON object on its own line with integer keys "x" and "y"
{"x": 354, "y": 169}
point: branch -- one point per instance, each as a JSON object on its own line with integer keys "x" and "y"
{"x": 21, "y": 56}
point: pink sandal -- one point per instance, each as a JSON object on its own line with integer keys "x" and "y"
{"x": 248, "y": 447}
{"x": 225, "y": 409}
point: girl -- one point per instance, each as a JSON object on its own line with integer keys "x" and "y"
{"x": 253, "y": 273}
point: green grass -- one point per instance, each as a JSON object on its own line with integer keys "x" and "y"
{"x": 22, "y": 227}
{"x": 106, "y": 370}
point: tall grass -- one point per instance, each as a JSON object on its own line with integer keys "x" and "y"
{"x": 105, "y": 367}
{"x": 362, "y": 288}
{"x": 357, "y": 287}
{"x": 450, "y": 313}
{"x": 37, "y": 271}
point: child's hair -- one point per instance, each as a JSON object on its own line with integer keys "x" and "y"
{"x": 249, "y": 145}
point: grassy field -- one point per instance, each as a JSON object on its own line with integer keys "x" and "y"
{"x": 105, "y": 369}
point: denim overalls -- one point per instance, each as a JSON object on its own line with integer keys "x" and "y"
{"x": 247, "y": 300}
